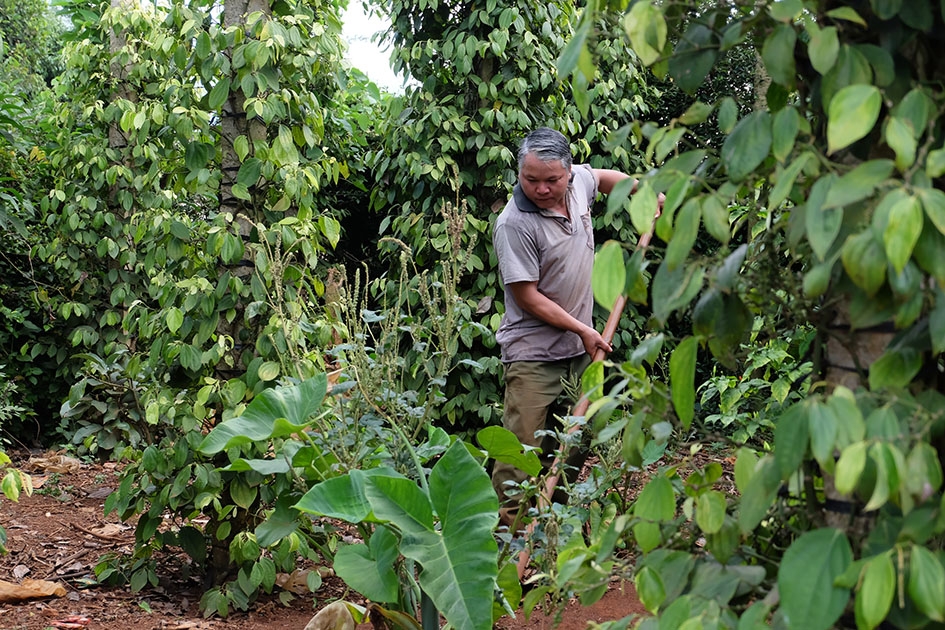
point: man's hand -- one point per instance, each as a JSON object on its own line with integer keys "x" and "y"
{"x": 593, "y": 342}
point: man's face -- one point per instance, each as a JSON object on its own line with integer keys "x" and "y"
{"x": 545, "y": 183}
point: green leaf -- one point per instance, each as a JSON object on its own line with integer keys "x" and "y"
{"x": 748, "y": 145}
{"x": 728, "y": 114}
{"x": 937, "y": 323}
{"x": 784, "y": 128}
{"x": 459, "y": 559}
{"x": 294, "y": 405}
{"x": 935, "y": 164}
{"x": 643, "y": 206}
{"x": 895, "y": 368}
{"x": 646, "y": 28}
{"x": 609, "y": 275}
{"x": 864, "y": 260}
{"x": 655, "y": 504}
{"x": 849, "y": 467}
{"x": 785, "y": 10}
{"x": 806, "y": 576}
{"x": 900, "y": 137}
{"x": 174, "y": 319}
{"x": 886, "y": 9}
{"x": 822, "y": 224}
{"x": 927, "y": 583}
{"x": 933, "y": 202}
{"x": 760, "y": 493}
{"x": 791, "y": 435}
{"x": 502, "y": 445}
{"x": 685, "y": 231}
{"x": 846, "y": 13}
{"x": 249, "y": 172}
{"x": 778, "y": 55}
{"x": 902, "y": 231}
{"x": 650, "y": 589}
{"x": 710, "y": 511}
{"x": 682, "y": 371}
{"x": 823, "y": 47}
{"x": 715, "y": 217}
{"x": 875, "y": 595}
{"x": 851, "y": 115}
{"x": 219, "y": 94}
{"x": 343, "y": 497}
{"x": 823, "y": 433}
{"x": 694, "y": 56}
{"x": 369, "y": 569}
{"x": 675, "y": 288}
{"x": 859, "y": 183}
{"x": 283, "y": 521}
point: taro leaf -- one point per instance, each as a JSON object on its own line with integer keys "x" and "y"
{"x": 694, "y": 56}
{"x": 875, "y": 595}
{"x": 748, "y": 144}
{"x": 927, "y": 583}
{"x": 369, "y": 569}
{"x": 809, "y": 567}
{"x": 458, "y": 559}
{"x": 609, "y": 276}
{"x": 682, "y": 371}
{"x": 502, "y": 445}
{"x": 851, "y": 115}
{"x": 343, "y": 497}
{"x": 273, "y": 413}
{"x": 283, "y": 521}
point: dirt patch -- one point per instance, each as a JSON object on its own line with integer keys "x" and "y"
{"x": 59, "y": 533}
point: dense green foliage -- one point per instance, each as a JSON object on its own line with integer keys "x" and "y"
{"x": 180, "y": 230}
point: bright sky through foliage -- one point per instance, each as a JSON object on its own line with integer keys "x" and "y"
{"x": 363, "y": 53}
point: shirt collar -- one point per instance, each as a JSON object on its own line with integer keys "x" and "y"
{"x": 522, "y": 202}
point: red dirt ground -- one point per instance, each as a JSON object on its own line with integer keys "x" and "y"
{"x": 59, "y": 532}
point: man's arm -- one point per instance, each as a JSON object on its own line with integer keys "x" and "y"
{"x": 529, "y": 298}
{"x": 608, "y": 178}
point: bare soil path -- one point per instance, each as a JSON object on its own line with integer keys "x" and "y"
{"x": 59, "y": 533}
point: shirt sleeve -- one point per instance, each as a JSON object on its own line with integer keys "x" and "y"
{"x": 584, "y": 176}
{"x": 517, "y": 252}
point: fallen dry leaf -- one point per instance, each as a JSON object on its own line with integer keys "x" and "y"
{"x": 29, "y": 589}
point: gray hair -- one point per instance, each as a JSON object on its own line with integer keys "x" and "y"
{"x": 547, "y": 145}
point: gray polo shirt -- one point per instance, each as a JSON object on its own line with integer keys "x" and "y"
{"x": 535, "y": 244}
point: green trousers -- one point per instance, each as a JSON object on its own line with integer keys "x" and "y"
{"x": 533, "y": 392}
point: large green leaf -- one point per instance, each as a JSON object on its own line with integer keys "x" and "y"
{"x": 502, "y": 445}
{"x": 748, "y": 144}
{"x": 369, "y": 569}
{"x": 343, "y": 497}
{"x": 273, "y": 413}
{"x": 283, "y": 521}
{"x": 927, "y": 583}
{"x": 876, "y": 592}
{"x": 791, "y": 435}
{"x": 778, "y": 54}
{"x": 760, "y": 492}
{"x": 851, "y": 115}
{"x": 682, "y": 371}
{"x": 902, "y": 231}
{"x": 609, "y": 276}
{"x": 822, "y": 224}
{"x": 859, "y": 183}
{"x": 809, "y": 567}
{"x": 694, "y": 56}
{"x": 647, "y": 31}
{"x": 823, "y": 47}
{"x": 655, "y": 504}
{"x": 675, "y": 288}
{"x": 459, "y": 559}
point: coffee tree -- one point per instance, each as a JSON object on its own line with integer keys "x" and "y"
{"x": 839, "y": 521}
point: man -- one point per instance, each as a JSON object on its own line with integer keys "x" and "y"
{"x": 545, "y": 245}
